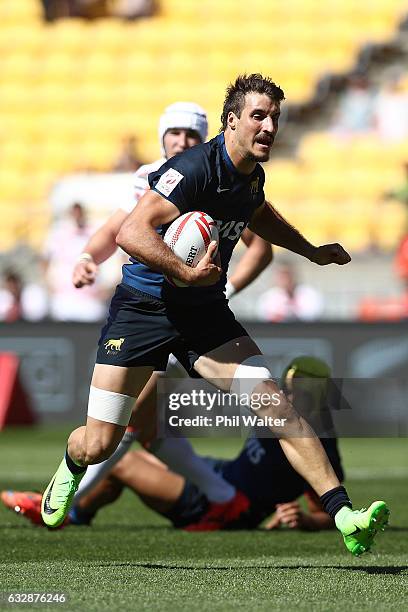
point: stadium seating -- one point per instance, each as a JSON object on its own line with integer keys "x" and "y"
{"x": 71, "y": 90}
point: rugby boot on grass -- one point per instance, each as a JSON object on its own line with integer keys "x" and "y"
{"x": 359, "y": 527}
{"x": 58, "y": 496}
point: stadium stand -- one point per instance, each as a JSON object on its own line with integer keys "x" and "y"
{"x": 70, "y": 91}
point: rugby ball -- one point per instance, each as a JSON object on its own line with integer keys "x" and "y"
{"x": 189, "y": 237}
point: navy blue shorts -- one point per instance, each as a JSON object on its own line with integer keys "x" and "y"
{"x": 189, "y": 508}
{"x": 142, "y": 330}
{"x": 193, "y": 504}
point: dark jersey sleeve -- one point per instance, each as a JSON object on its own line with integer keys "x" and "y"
{"x": 181, "y": 179}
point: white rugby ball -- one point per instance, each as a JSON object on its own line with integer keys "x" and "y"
{"x": 189, "y": 237}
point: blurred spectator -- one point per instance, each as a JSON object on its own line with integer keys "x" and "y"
{"x": 94, "y": 9}
{"x": 132, "y": 9}
{"x": 401, "y": 261}
{"x": 391, "y": 111}
{"x": 355, "y": 113}
{"x": 64, "y": 243}
{"x": 19, "y": 301}
{"x": 91, "y": 9}
{"x": 57, "y": 9}
{"x": 128, "y": 160}
{"x": 394, "y": 308}
{"x": 289, "y": 300}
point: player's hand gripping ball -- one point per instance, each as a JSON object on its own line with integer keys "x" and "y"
{"x": 189, "y": 237}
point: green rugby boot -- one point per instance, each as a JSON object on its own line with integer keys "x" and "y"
{"x": 359, "y": 527}
{"x": 57, "y": 498}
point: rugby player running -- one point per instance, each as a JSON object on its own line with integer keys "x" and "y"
{"x": 181, "y": 126}
{"x": 224, "y": 179}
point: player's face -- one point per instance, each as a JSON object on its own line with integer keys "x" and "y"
{"x": 178, "y": 140}
{"x": 257, "y": 127}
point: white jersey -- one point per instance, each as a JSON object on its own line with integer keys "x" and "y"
{"x": 140, "y": 182}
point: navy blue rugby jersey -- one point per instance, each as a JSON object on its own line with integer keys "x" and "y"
{"x": 202, "y": 178}
{"x": 263, "y": 473}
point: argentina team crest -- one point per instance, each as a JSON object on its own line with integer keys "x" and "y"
{"x": 254, "y": 186}
{"x": 114, "y": 345}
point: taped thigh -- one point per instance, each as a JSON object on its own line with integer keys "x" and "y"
{"x": 109, "y": 406}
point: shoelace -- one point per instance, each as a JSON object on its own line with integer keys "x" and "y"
{"x": 72, "y": 486}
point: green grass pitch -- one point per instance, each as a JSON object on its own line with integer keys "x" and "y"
{"x": 132, "y": 560}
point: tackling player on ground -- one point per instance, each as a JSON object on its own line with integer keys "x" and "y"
{"x": 222, "y": 178}
{"x": 260, "y": 470}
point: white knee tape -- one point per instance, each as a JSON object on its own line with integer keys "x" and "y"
{"x": 249, "y": 374}
{"x": 110, "y": 406}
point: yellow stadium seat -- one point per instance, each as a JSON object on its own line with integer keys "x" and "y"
{"x": 97, "y": 154}
{"x": 99, "y": 66}
{"x": 107, "y": 34}
{"x": 20, "y": 11}
{"x": 319, "y": 148}
{"x": 391, "y": 223}
{"x": 58, "y": 67}
{"x": 39, "y": 183}
{"x": 327, "y": 183}
{"x": 72, "y": 89}
{"x": 183, "y": 10}
{"x": 69, "y": 36}
{"x": 15, "y": 97}
{"x": 16, "y": 155}
{"x": 283, "y": 181}
{"x": 52, "y": 98}
{"x": 11, "y": 184}
{"x": 56, "y": 157}
{"x": 19, "y": 67}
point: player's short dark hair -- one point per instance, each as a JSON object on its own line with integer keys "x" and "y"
{"x": 247, "y": 83}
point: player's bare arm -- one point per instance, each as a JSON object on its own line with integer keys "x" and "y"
{"x": 270, "y": 225}
{"x": 98, "y": 249}
{"x": 255, "y": 259}
{"x": 138, "y": 237}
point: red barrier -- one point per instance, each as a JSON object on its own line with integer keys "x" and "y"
{"x": 15, "y": 405}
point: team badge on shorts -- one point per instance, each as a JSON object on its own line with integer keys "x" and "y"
{"x": 113, "y": 346}
{"x": 168, "y": 181}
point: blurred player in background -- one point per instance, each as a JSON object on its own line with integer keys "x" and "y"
{"x": 65, "y": 240}
{"x": 260, "y": 470}
{"x": 225, "y": 180}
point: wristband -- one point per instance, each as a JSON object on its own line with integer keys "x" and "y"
{"x": 229, "y": 290}
{"x": 85, "y": 257}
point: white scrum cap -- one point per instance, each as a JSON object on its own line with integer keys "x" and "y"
{"x": 185, "y": 115}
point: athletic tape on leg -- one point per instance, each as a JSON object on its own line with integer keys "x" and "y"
{"x": 249, "y": 374}
{"x": 109, "y": 406}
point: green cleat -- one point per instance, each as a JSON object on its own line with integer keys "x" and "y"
{"x": 359, "y": 527}
{"x": 57, "y": 498}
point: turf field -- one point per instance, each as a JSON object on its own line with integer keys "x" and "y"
{"x": 131, "y": 560}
